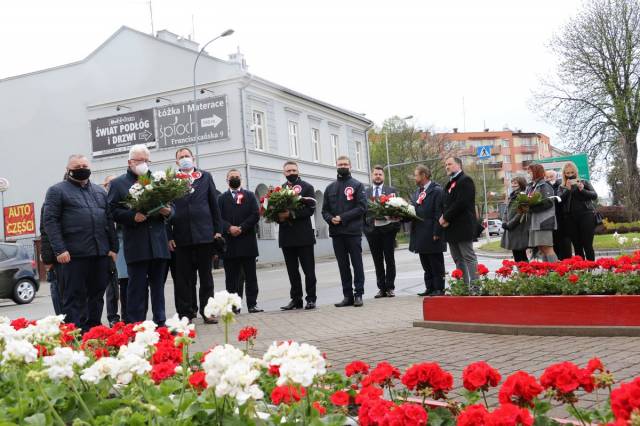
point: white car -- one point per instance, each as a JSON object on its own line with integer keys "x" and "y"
{"x": 495, "y": 227}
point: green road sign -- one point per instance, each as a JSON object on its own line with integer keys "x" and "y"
{"x": 556, "y": 163}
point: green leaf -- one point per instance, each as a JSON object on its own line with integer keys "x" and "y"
{"x": 38, "y": 419}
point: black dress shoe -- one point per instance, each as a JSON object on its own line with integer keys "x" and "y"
{"x": 357, "y": 301}
{"x": 437, "y": 293}
{"x": 380, "y": 294}
{"x": 310, "y": 305}
{"x": 255, "y": 310}
{"x": 345, "y": 302}
{"x": 209, "y": 320}
{"x": 424, "y": 293}
{"x": 294, "y": 304}
{"x": 391, "y": 293}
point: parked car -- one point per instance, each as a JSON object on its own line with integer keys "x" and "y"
{"x": 17, "y": 274}
{"x": 495, "y": 227}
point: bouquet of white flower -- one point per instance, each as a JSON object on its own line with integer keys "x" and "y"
{"x": 154, "y": 191}
{"x": 390, "y": 209}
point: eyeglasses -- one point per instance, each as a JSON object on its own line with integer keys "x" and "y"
{"x": 142, "y": 160}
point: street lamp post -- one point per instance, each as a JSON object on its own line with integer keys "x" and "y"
{"x": 386, "y": 145}
{"x": 195, "y": 100}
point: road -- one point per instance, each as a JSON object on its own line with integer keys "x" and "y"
{"x": 274, "y": 285}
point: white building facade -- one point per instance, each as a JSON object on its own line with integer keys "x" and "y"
{"x": 143, "y": 83}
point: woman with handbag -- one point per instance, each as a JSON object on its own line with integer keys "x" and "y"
{"x": 514, "y": 223}
{"x": 578, "y": 211}
{"x": 542, "y": 215}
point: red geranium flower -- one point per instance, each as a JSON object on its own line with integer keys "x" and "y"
{"x": 595, "y": 364}
{"x": 565, "y": 378}
{"x": 428, "y": 375}
{"x": 198, "y": 380}
{"x": 287, "y": 394}
{"x": 480, "y": 375}
{"x": 504, "y": 271}
{"x": 356, "y": 367}
{"x": 42, "y": 350}
{"x": 482, "y": 270}
{"x": 573, "y": 278}
{"x": 68, "y": 331}
{"x": 457, "y": 274}
{"x": 510, "y": 415}
{"x": 520, "y": 388}
{"x": 625, "y": 400}
{"x": 382, "y": 374}
{"x": 100, "y": 352}
{"x": 274, "y": 370}
{"x": 413, "y": 415}
{"x": 473, "y": 415}
{"x": 319, "y": 408}
{"x": 368, "y": 392}
{"x": 373, "y": 411}
{"x": 163, "y": 371}
{"x": 166, "y": 351}
{"x": 247, "y": 333}
{"x": 340, "y": 398}
{"x": 20, "y": 323}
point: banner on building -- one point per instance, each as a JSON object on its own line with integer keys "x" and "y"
{"x": 557, "y": 163}
{"x": 19, "y": 221}
{"x": 177, "y": 123}
{"x": 116, "y": 134}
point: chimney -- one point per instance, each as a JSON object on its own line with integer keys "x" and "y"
{"x": 455, "y": 130}
{"x": 238, "y": 58}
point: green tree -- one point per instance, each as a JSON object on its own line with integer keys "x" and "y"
{"x": 595, "y": 95}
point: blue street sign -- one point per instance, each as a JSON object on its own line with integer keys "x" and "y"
{"x": 484, "y": 152}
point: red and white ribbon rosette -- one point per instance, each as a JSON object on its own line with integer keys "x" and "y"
{"x": 453, "y": 185}
{"x": 239, "y": 198}
{"x": 297, "y": 189}
{"x": 348, "y": 192}
{"x": 421, "y": 197}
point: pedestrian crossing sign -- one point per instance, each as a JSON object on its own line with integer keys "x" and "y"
{"x": 484, "y": 152}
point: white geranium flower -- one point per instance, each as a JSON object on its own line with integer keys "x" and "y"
{"x": 299, "y": 363}
{"x": 101, "y": 369}
{"x": 19, "y": 350}
{"x": 222, "y": 303}
{"x": 130, "y": 366}
{"x": 232, "y": 373}
{"x": 60, "y": 364}
{"x": 180, "y": 325}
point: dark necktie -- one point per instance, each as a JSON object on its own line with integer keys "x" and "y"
{"x": 235, "y": 195}
{"x": 377, "y": 191}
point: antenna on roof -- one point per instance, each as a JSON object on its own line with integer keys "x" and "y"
{"x": 193, "y": 28}
{"x": 151, "y": 16}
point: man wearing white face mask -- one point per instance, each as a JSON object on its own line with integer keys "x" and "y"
{"x": 194, "y": 226}
{"x": 146, "y": 248}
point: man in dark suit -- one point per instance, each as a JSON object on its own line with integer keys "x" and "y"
{"x": 240, "y": 214}
{"x": 296, "y": 237}
{"x": 343, "y": 208}
{"x": 146, "y": 247}
{"x": 459, "y": 220}
{"x": 426, "y": 235}
{"x": 381, "y": 236}
{"x": 195, "y": 224}
{"x": 80, "y": 228}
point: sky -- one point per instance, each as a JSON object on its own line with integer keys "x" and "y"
{"x": 455, "y": 63}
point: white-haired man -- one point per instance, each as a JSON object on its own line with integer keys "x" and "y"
{"x": 80, "y": 228}
{"x": 146, "y": 247}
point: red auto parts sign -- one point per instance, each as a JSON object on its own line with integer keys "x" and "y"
{"x": 19, "y": 220}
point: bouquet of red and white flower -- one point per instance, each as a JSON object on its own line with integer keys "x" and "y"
{"x": 279, "y": 200}
{"x": 389, "y": 208}
{"x": 153, "y": 192}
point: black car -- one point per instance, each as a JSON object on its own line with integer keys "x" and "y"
{"x": 17, "y": 274}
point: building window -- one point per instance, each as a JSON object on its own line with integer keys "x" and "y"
{"x": 505, "y": 142}
{"x": 527, "y": 157}
{"x": 315, "y": 144}
{"x": 335, "y": 148}
{"x": 294, "y": 147}
{"x": 359, "y": 155}
{"x": 506, "y": 158}
{"x": 259, "y": 135}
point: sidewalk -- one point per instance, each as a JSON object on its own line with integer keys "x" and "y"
{"x": 382, "y": 331}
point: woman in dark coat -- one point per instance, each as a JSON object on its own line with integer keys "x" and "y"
{"x": 542, "y": 216}
{"x": 516, "y": 228}
{"x": 578, "y": 211}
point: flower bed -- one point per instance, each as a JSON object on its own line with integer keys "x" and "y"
{"x": 139, "y": 374}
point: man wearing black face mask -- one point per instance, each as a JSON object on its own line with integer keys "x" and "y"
{"x": 239, "y": 213}
{"x": 82, "y": 234}
{"x": 297, "y": 238}
{"x": 343, "y": 208}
